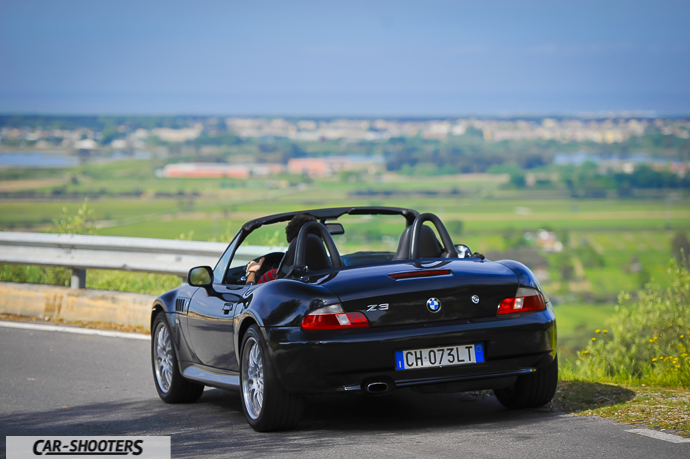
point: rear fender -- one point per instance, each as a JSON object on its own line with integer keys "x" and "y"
{"x": 526, "y": 277}
{"x": 280, "y": 303}
{"x": 283, "y": 302}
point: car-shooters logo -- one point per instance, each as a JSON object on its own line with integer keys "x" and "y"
{"x": 86, "y": 447}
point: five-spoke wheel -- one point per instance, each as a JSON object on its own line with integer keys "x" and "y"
{"x": 266, "y": 404}
{"x": 171, "y": 386}
{"x": 163, "y": 357}
{"x": 252, "y": 377}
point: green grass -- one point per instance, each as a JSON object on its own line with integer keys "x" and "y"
{"x": 574, "y": 317}
{"x": 22, "y": 213}
{"x": 203, "y": 229}
{"x": 653, "y": 406}
{"x": 486, "y": 209}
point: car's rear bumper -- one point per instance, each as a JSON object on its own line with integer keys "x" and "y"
{"x": 349, "y": 360}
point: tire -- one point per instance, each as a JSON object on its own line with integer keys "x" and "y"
{"x": 532, "y": 390}
{"x": 266, "y": 404}
{"x": 171, "y": 386}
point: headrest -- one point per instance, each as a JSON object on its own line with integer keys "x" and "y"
{"x": 429, "y": 246}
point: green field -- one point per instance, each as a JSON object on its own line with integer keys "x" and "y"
{"x": 128, "y": 200}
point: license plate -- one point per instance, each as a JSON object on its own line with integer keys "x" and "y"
{"x": 439, "y": 356}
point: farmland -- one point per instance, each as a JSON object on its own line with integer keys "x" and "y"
{"x": 629, "y": 238}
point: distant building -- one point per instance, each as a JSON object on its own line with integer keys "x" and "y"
{"x": 85, "y": 147}
{"x": 177, "y": 135}
{"x": 86, "y": 144}
{"x": 214, "y": 170}
{"x": 319, "y": 167}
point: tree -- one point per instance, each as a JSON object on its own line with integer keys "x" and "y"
{"x": 680, "y": 248}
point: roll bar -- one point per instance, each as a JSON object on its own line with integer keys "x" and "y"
{"x": 451, "y": 251}
{"x": 301, "y": 248}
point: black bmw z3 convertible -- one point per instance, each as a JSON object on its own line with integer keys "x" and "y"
{"x": 356, "y": 316}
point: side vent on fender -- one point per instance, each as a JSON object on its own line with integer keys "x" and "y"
{"x": 181, "y": 304}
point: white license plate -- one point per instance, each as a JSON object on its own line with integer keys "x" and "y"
{"x": 439, "y": 356}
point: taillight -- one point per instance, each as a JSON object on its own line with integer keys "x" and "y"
{"x": 333, "y": 318}
{"x": 526, "y": 300}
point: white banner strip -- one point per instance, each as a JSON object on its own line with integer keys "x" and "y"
{"x": 88, "y": 447}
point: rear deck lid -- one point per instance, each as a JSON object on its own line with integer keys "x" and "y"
{"x": 409, "y": 293}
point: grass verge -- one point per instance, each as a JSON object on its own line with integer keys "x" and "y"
{"x": 660, "y": 408}
{"x": 79, "y": 323}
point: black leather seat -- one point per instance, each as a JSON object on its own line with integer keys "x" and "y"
{"x": 429, "y": 246}
{"x": 317, "y": 257}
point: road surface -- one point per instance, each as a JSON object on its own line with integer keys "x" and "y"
{"x": 54, "y": 383}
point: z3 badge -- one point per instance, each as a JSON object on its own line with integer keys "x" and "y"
{"x": 377, "y": 307}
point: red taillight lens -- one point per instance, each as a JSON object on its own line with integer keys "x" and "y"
{"x": 333, "y": 318}
{"x": 522, "y": 304}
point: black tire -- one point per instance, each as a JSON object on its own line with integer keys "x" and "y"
{"x": 532, "y": 390}
{"x": 171, "y": 386}
{"x": 266, "y": 404}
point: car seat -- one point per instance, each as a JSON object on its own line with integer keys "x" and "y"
{"x": 429, "y": 246}
{"x": 317, "y": 257}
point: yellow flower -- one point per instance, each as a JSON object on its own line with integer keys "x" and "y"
{"x": 598, "y": 369}
{"x": 585, "y": 351}
{"x": 684, "y": 354}
{"x": 597, "y": 331}
{"x": 605, "y": 330}
{"x": 654, "y": 359}
{"x": 594, "y": 339}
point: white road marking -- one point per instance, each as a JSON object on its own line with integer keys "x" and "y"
{"x": 660, "y": 435}
{"x": 79, "y": 331}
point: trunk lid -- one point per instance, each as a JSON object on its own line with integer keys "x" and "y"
{"x": 402, "y": 299}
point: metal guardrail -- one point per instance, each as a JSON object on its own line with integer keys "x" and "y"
{"x": 81, "y": 252}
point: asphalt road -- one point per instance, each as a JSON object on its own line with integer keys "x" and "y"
{"x": 55, "y": 383}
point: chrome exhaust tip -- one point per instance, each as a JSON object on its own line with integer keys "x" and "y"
{"x": 378, "y": 387}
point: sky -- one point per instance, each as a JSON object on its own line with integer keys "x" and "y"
{"x": 350, "y": 58}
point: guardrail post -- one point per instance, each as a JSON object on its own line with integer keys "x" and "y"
{"x": 78, "y": 278}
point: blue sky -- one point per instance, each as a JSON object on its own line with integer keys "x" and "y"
{"x": 402, "y": 58}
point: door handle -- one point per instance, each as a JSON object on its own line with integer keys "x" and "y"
{"x": 227, "y": 307}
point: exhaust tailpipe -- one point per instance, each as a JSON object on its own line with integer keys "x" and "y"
{"x": 377, "y": 387}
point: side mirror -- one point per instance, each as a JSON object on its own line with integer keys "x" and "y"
{"x": 201, "y": 276}
{"x": 463, "y": 251}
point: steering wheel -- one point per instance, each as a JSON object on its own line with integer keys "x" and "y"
{"x": 449, "y": 249}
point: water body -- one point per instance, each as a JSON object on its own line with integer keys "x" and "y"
{"x": 580, "y": 157}
{"x": 37, "y": 159}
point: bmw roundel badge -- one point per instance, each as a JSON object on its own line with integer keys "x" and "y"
{"x": 433, "y": 304}
{"x": 475, "y": 299}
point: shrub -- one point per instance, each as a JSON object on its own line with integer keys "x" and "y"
{"x": 648, "y": 339}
